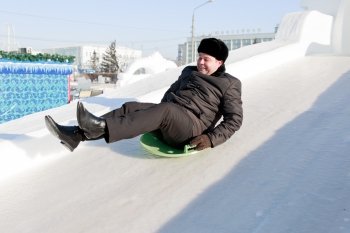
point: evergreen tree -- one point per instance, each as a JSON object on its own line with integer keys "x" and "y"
{"x": 109, "y": 62}
{"x": 94, "y": 61}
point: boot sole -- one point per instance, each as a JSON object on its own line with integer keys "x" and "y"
{"x": 51, "y": 125}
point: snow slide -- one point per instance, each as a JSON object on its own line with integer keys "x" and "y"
{"x": 286, "y": 170}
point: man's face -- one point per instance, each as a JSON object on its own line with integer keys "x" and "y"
{"x": 207, "y": 64}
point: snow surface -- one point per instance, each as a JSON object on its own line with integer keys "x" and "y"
{"x": 285, "y": 170}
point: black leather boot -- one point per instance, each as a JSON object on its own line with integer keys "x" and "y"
{"x": 93, "y": 126}
{"x": 70, "y": 136}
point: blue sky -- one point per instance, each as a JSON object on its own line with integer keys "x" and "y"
{"x": 148, "y": 25}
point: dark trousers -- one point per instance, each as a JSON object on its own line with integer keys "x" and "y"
{"x": 135, "y": 118}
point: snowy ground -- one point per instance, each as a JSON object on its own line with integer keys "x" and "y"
{"x": 286, "y": 170}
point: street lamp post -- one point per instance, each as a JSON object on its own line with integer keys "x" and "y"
{"x": 192, "y": 42}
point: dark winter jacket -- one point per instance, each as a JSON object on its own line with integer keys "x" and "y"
{"x": 210, "y": 97}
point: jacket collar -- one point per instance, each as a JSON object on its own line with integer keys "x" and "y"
{"x": 219, "y": 71}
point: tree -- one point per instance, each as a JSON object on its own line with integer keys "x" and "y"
{"x": 94, "y": 61}
{"x": 109, "y": 62}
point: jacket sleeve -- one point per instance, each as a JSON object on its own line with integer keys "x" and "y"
{"x": 232, "y": 115}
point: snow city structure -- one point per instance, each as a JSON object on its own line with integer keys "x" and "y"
{"x": 286, "y": 170}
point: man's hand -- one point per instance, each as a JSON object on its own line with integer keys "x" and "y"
{"x": 201, "y": 142}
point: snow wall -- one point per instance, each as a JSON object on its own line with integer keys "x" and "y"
{"x": 340, "y": 10}
{"x": 323, "y": 28}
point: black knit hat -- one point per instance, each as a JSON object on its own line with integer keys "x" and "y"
{"x": 214, "y": 47}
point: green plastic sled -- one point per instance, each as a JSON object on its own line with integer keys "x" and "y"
{"x": 157, "y": 147}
